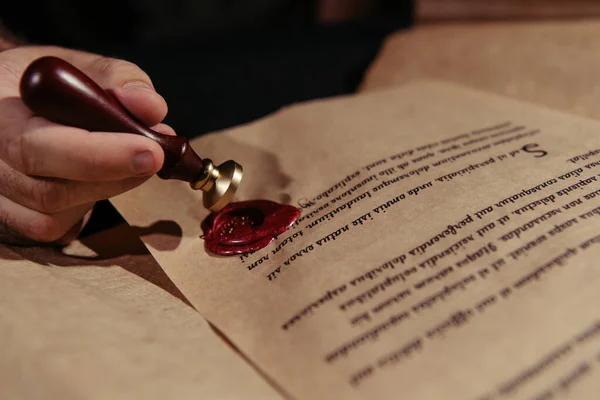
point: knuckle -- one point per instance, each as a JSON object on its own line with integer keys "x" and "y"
{"x": 50, "y": 196}
{"x": 12, "y": 153}
{"x": 113, "y": 67}
{"x": 22, "y": 155}
{"x": 95, "y": 166}
{"x": 12, "y": 138}
{"x": 105, "y": 64}
{"x": 44, "y": 229}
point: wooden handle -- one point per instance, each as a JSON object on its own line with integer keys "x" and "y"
{"x": 57, "y": 91}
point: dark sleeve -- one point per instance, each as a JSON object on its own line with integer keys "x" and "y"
{"x": 75, "y": 23}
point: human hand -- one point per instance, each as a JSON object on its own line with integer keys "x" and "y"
{"x": 51, "y": 175}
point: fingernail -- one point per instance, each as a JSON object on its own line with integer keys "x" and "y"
{"x": 137, "y": 85}
{"x": 143, "y": 163}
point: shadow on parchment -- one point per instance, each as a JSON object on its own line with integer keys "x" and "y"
{"x": 162, "y": 235}
{"x": 119, "y": 245}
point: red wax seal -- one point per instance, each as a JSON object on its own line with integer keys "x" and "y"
{"x": 246, "y": 226}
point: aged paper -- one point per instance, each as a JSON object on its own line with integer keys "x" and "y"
{"x": 447, "y": 247}
{"x": 550, "y": 63}
{"x": 100, "y": 327}
{"x": 470, "y": 10}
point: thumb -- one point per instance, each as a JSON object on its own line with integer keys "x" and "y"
{"x": 131, "y": 85}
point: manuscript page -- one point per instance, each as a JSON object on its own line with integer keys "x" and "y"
{"x": 101, "y": 324}
{"x": 447, "y": 247}
{"x": 531, "y": 61}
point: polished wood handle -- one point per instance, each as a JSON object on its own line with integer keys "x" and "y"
{"x": 59, "y": 92}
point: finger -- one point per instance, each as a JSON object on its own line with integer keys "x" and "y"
{"x": 18, "y": 222}
{"x": 51, "y": 150}
{"x": 132, "y": 87}
{"x": 127, "y": 81}
{"x": 164, "y": 129}
{"x": 145, "y": 104}
{"x": 75, "y": 231}
{"x": 54, "y": 195}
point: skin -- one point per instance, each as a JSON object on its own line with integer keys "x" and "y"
{"x": 52, "y": 175}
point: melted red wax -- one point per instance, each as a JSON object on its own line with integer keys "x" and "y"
{"x": 246, "y": 226}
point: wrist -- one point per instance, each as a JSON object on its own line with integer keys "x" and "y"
{"x": 8, "y": 40}
{"x": 6, "y": 44}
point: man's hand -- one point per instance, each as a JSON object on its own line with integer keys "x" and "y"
{"x": 51, "y": 175}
